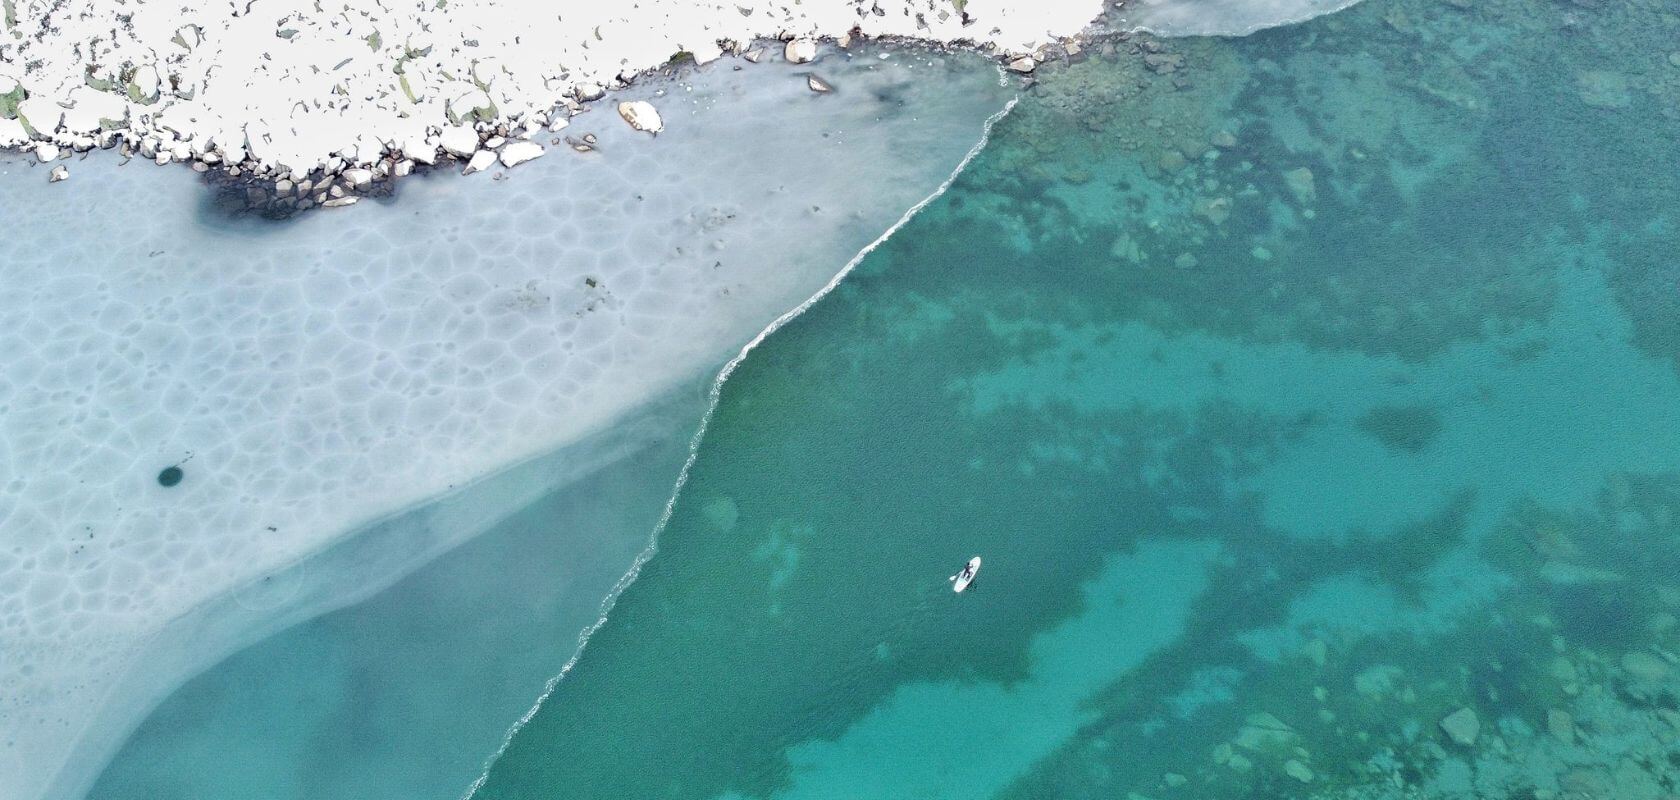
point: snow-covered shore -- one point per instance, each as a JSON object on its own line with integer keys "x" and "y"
{"x": 284, "y": 87}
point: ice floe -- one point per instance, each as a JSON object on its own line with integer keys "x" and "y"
{"x": 190, "y": 406}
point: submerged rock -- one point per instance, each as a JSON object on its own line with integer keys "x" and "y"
{"x": 1644, "y": 666}
{"x": 1297, "y": 770}
{"x": 59, "y": 173}
{"x": 641, "y": 115}
{"x": 1462, "y": 726}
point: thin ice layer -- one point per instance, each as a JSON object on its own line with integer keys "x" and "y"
{"x": 1222, "y": 17}
{"x": 311, "y": 377}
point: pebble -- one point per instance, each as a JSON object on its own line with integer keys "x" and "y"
{"x": 1462, "y": 726}
{"x": 641, "y": 115}
{"x": 800, "y": 51}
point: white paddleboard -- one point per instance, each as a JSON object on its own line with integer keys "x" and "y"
{"x": 961, "y": 580}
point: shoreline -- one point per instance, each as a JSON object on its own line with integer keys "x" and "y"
{"x": 188, "y": 116}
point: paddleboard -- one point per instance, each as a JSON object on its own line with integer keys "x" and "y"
{"x": 961, "y": 580}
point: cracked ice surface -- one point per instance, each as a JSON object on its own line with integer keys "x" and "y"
{"x": 313, "y": 376}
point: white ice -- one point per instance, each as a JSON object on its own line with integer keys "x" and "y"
{"x": 316, "y": 376}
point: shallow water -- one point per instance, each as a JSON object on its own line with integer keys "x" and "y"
{"x": 1311, "y": 397}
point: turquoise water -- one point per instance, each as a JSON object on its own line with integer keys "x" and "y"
{"x": 1311, "y": 396}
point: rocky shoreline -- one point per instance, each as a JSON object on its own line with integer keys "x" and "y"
{"x": 484, "y": 146}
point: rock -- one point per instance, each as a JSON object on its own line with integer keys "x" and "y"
{"x": 1317, "y": 652}
{"x": 1300, "y": 183}
{"x": 1674, "y": 59}
{"x": 481, "y": 161}
{"x": 283, "y": 187}
{"x": 1221, "y": 753}
{"x": 1174, "y": 779}
{"x": 817, "y": 84}
{"x": 1643, "y": 666}
{"x": 1561, "y": 725}
{"x": 559, "y": 124}
{"x": 1263, "y": 731}
{"x": 1563, "y": 669}
{"x": 1224, "y": 140}
{"x": 641, "y": 115}
{"x": 340, "y": 202}
{"x": 459, "y": 141}
{"x": 800, "y": 51}
{"x": 47, "y": 151}
{"x": 520, "y": 152}
{"x": 754, "y": 55}
{"x": 1023, "y": 65}
{"x": 1295, "y": 769}
{"x": 415, "y": 149}
{"x": 403, "y": 168}
{"x": 359, "y": 178}
{"x": 1603, "y": 89}
{"x": 59, "y": 173}
{"x": 1462, "y": 726}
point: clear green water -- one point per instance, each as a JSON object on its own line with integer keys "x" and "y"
{"x": 1299, "y": 391}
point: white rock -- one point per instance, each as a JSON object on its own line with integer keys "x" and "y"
{"x": 1023, "y": 65}
{"x": 459, "y": 141}
{"x": 559, "y": 124}
{"x": 481, "y": 161}
{"x": 416, "y": 149}
{"x": 404, "y": 167}
{"x": 641, "y": 115}
{"x": 340, "y": 202}
{"x": 359, "y": 177}
{"x": 1462, "y": 726}
{"x": 520, "y": 152}
{"x": 46, "y": 151}
{"x": 800, "y": 51}
{"x": 754, "y": 55}
{"x": 818, "y": 85}
{"x": 58, "y": 173}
